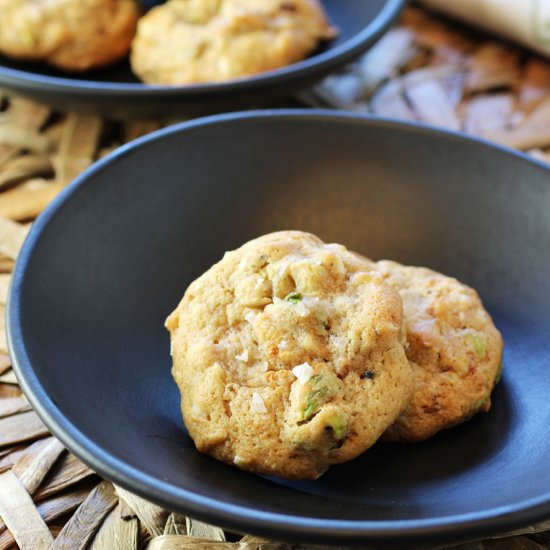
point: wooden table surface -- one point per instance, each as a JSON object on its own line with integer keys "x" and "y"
{"x": 425, "y": 69}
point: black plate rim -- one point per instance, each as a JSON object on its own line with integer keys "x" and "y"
{"x": 321, "y": 63}
{"x": 239, "y": 518}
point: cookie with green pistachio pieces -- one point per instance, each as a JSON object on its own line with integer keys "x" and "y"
{"x": 453, "y": 347}
{"x": 289, "y": 355}
{"x": 199, "y": 41}
{"x": 70, "y": 34}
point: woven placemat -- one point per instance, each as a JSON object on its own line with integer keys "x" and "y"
{"x": 425, "y": 69}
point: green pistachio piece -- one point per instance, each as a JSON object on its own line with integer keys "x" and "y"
{"x": 294, "y": 298}
{"x": 319, "y": 391}
{"x": 314, "y": 401}
{"x": 478, "y": 343}
{"x": 338, "y": 425}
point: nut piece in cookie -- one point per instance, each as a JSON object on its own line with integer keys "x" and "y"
{"x": 289, "y": 356}
{"x": 453, "y": 347}
{"x": 193, "y": 41}
{"x": 70, "y": 34}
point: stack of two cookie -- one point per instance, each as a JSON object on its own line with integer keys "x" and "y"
{"x": 292, "y": 355}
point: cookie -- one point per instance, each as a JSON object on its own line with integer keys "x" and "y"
{"x": 289, "y": 355}
{"x": 73, "y": 35}
{"x": 194, "y": 41}
{"x": 453, "y": 347}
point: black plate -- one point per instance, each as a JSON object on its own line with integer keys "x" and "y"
{"x": 111, "y": 257}
{"x": 116, "y": 93}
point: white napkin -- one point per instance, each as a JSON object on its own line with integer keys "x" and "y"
{"x": 524, "y": 21}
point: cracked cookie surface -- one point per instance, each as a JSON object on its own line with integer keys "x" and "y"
{"x": 453, "y": 347}
{"x": 289, "y": 356}
{"x": 194, "y": 41}
{"x": 74, "y": 35}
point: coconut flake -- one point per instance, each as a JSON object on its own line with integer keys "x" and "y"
{"x": 257, "y": 404}
{"x": 302, "y": 309}
{"x": 283, "y": 344}
{"x": 239, "y": 460}
{"x": 249, "y": 317}
{"x": 303, "y": 373}
{"x": 243, "y": 356}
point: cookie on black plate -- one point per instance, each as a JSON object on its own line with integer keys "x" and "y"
{"x": 193, "y": 41}
{"x": 70, "y": 34}
{"x": 289, "y": 356}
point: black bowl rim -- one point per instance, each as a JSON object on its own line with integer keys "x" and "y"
{"x": 457, "y": 527}
{"x": 321, "y": 63}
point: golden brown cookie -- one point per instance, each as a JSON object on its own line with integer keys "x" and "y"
{"x": 74, "y": 35}
{"x": 192, "y": 41}
{"x": 289, "y": 356}
{"x": 453, "y": 347}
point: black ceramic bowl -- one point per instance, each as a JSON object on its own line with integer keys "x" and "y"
{"x": 116, "y": 92}
{"x": 107, "y": 262}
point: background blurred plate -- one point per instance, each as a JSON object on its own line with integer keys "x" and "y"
{"x": 115, "y": 92}
{"x": 112, "y": 256}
